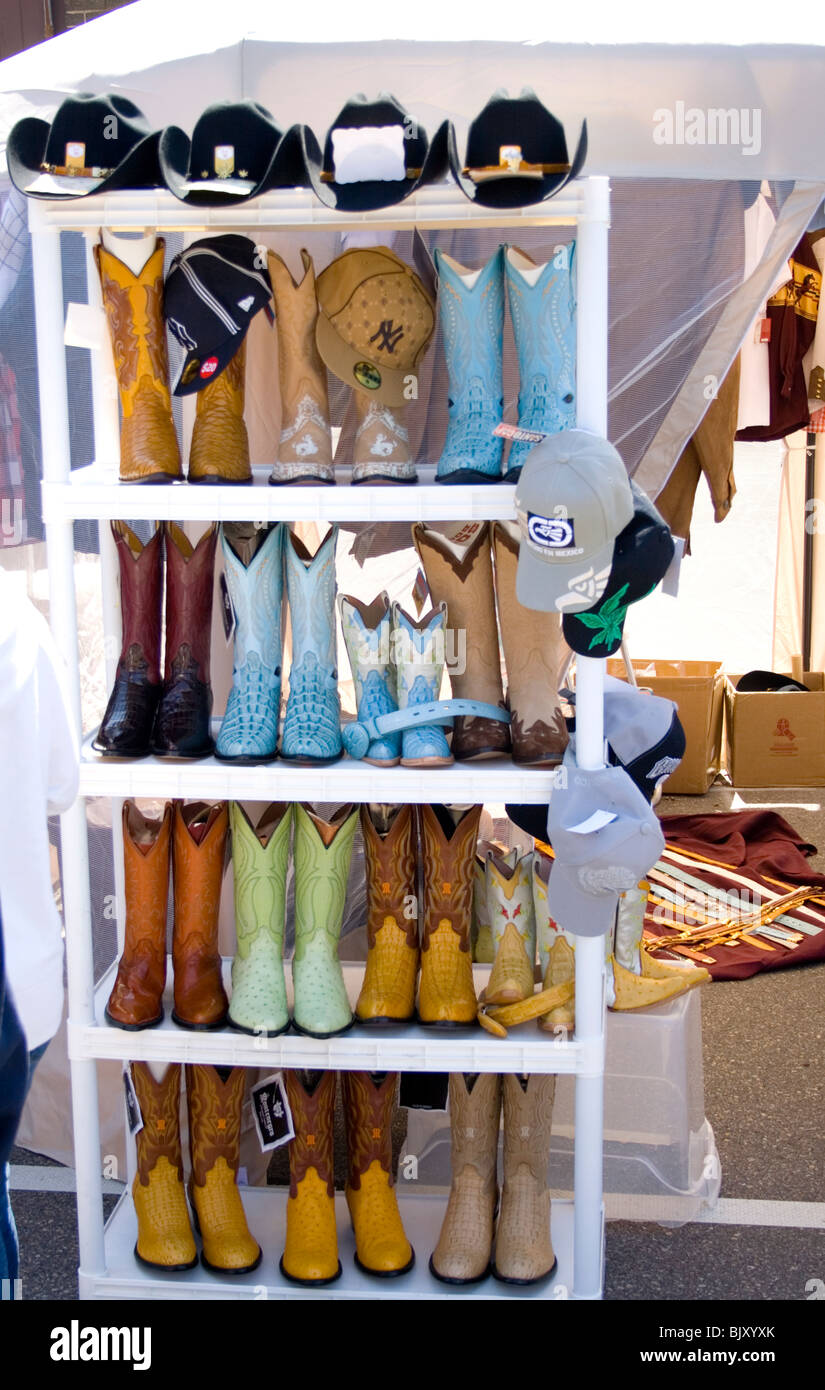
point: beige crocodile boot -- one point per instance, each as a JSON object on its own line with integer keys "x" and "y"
{"x": 305, "y": 449}
{"x": 462, "y": 1255}
{"x": 524, "y": 1250}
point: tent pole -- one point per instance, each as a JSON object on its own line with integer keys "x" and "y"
{"x": 808, "y": 554}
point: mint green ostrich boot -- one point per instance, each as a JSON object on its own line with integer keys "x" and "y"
{"x": 259, "y": 860}
{"x": 322, "y": 853}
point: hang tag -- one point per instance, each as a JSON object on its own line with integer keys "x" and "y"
{"x": 503, "y": 431}
{"x": 597, "y": 821}
{"x": 75, "y": 155}
{"x": 270, "y": 1109}
{"x": 670, "y": 583}
{"x": 224, "y": 160}
{"x": 424, "y": 1090}
{"x": 420, "y": 592}
{"x": 816, "y": 384}
{"x": 227, "y": 611}
{"x": 763, "y": 331}
{"x": 134, "y": 1119}
{"x": 368, "y": 153}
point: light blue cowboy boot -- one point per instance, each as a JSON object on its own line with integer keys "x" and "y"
{"x": 254, "y": 578}
{"x": 472, "y": 325}
{"x": 312, "y": 724}
{"x": 542, "y": 301}
{"x": 419, "y": 650}
{"x": 368, "y": 635}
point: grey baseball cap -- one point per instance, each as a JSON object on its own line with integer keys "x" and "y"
{"x": 644, "y": 734}
{"x": 605, "y": 838}
{"x": 572, "y": 500}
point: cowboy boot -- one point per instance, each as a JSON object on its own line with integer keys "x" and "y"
{"x": 388, "y": 991}
{"x": 253, "y": 560}
{"x": 136, "y": 1000}
{"x": 459, "y": 572}
{"x": 471, "y": 313}
{"x": 133, "y": 304}
{"x": 524, "y": 1250}
{"x": 446, "y": 993}
{"x": 367, "y": 632}
{"x": 513, "y": 923}
{"x": 542, "y": 304}
{"x": 259, "y": 862}
{"x": 381, "y": 452}
{"x": 165, "y": 1239}
{"x": 381, "y": 1247}
{"x": 638, "y": 978}
{"x": 462, "y": 1255}
{"x": 198, "y": 854}
{"x": 534, "y": 652}
{"x": 219, "y": 451}
{"x": 321, "y": 854}
{"x": 182, "y": 721}
{"x": 311, "y": 1251}
{"x": 305, "y": 450}
{"x": 312, "y": 723}
{"x": 481, "y": 932}
{"x": 126, "y": 728}
{"x": 214, "y": 1098}
{"x": 557, "y": 960}
{"x": 419, "y": 650}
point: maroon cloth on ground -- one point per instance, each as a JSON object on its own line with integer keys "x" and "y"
{"x": 762, "y": 846}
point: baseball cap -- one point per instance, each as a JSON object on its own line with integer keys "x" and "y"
{"x": 605, "y": 838}
{"x": 573, "y": 498}
{"x": 641, "y": 556}
{"x": 213, "y": 291}
{"x": 375, "y": 321}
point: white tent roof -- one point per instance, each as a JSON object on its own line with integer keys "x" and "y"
{"x": 630, "y": 70}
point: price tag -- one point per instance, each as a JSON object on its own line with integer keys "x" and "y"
{"x": 273, "y": 1117}
{"x": 134, "y": 1119}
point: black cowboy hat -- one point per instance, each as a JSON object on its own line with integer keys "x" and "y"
{"x": 228, "y": 158}
{"x": 93, "y": 144}
{"x": 516, "y": 153}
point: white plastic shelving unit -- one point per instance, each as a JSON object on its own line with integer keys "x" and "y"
{"x": 107, "y": 1266}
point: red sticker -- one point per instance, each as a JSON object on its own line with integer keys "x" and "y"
{"x": 210, "y": 366}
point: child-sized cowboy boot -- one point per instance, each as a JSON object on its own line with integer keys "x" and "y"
{"x": 214, "y": 1098}
{"x": 524, "y": 1250}
{"x": 381, "y": 1247}
{"x": 219, "y": 452}
{"x": 165, "y": 1239}
{"x": 311, "y": 1251}
{"x": 640, "y": 979}
{"x": 381, "y": 453}
{"x": 136, "y": 1000}
{"x": 312, "y": 723}
{"x": 462, "y": 1255}
{"x": 126, "y": 728}
{"x": 388, "y": 992}
{"x": 446, "y": 992}
{"x": 419, "y": 649}
{"x": 198, "y": 857}
{"x": 321, "y": 854}
{"x": 305, "y": 449}
{"x": 513, "y": 924}
{"x": 471, "y": 313}
{"x": 259, "y": 861}
{"x": 367, "y": 632}
{"x": 253, "y": 560}
{"x": 182, "y": 721}
{"x": 542, "y": 302}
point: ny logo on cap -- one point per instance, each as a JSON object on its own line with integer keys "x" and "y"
{"x": 388, "y": 336}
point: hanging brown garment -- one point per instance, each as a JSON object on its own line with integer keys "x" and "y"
{"x": 708, "y": 451}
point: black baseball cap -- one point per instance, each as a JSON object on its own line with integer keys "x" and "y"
{"x": 213, "y": 291}
{"x": 642, "y": 553}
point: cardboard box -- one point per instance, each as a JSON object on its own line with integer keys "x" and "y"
{"x": 775, "y": 739}
{"x": 697, "y": 688}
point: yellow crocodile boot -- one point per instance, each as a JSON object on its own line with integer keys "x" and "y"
{"x": 638, "y": 979}
{"x": 381, "y": 1247}
{"x": 311, "y": 1251}
{"x": 149, "y": 449}
{"x": 513, "y": 924}
{"x": 219, "y": 452}
{"x": 557, "y": 959}
{"x": 388, "y": 992}
{"x": 165, "y": 1238}
{"x": 446, "y": 992}
{"x": 215, "y": 1100}
{"x": 462, "y": 1255}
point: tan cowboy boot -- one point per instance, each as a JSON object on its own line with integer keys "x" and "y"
{"x": 640, "y": 979}
{"x": 513, "y": 924}
{"x": 381, "y": 1247}
{"x": 305, "y": 449}
{"x": 557, "y": 958}
{"x": 381, "y": 452}
{"x": 149, "y": 450}
{"x": 311, "y": 1250}
{"x": 534, "y": 652}
{"x": 219, "y": 452}
{"x": 524, "y": 1250}
{"x": 458, "y": 567}
{"x": 165, "y": 1238}
{"x": 136, "y": 1000}
{"x": 388, "y": 992}
{"x": 446, "y": 992}
{"x": 462, "y": 1255}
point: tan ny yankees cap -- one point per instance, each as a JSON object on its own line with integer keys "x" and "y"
{"x": 375, "y": 322}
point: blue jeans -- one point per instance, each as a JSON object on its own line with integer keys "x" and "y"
{"x": 16, "y": 1072}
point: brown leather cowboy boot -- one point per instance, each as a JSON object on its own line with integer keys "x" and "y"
{"x": 219, "y": 452}
{"x": 199, "y": 848}
{"x": 182, "y": 721}
{"x": 126, "y": 729}
{"x": 311, "y": 1251}
{"x": 388, "y": 991}
{"x": 165, "y": 1238}
{"x": 305, "y": 449}
{"x": 136, "y": 1001}
{"x": 381, "y": 1247}
{"x": 462, "y": 1255}
{"x": 214, "y": 1097}
{"x": 149, "y": 450}
{"x": 459, "y": 572}
{"x": 534, "y": 652}
{"x": 446, "y": 993}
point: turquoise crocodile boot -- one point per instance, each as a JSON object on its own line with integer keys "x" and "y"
{"x": 471, "y": 310}
{"x": 542, "y": 301}
{"x": 312, "y": 724}
{"x": 419, "y": 649}
{"x": 322, "y": 853}
{"x": 368, "y": 635}
{"x": 259, "y": 860}
{"x": 254, "y": 578}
